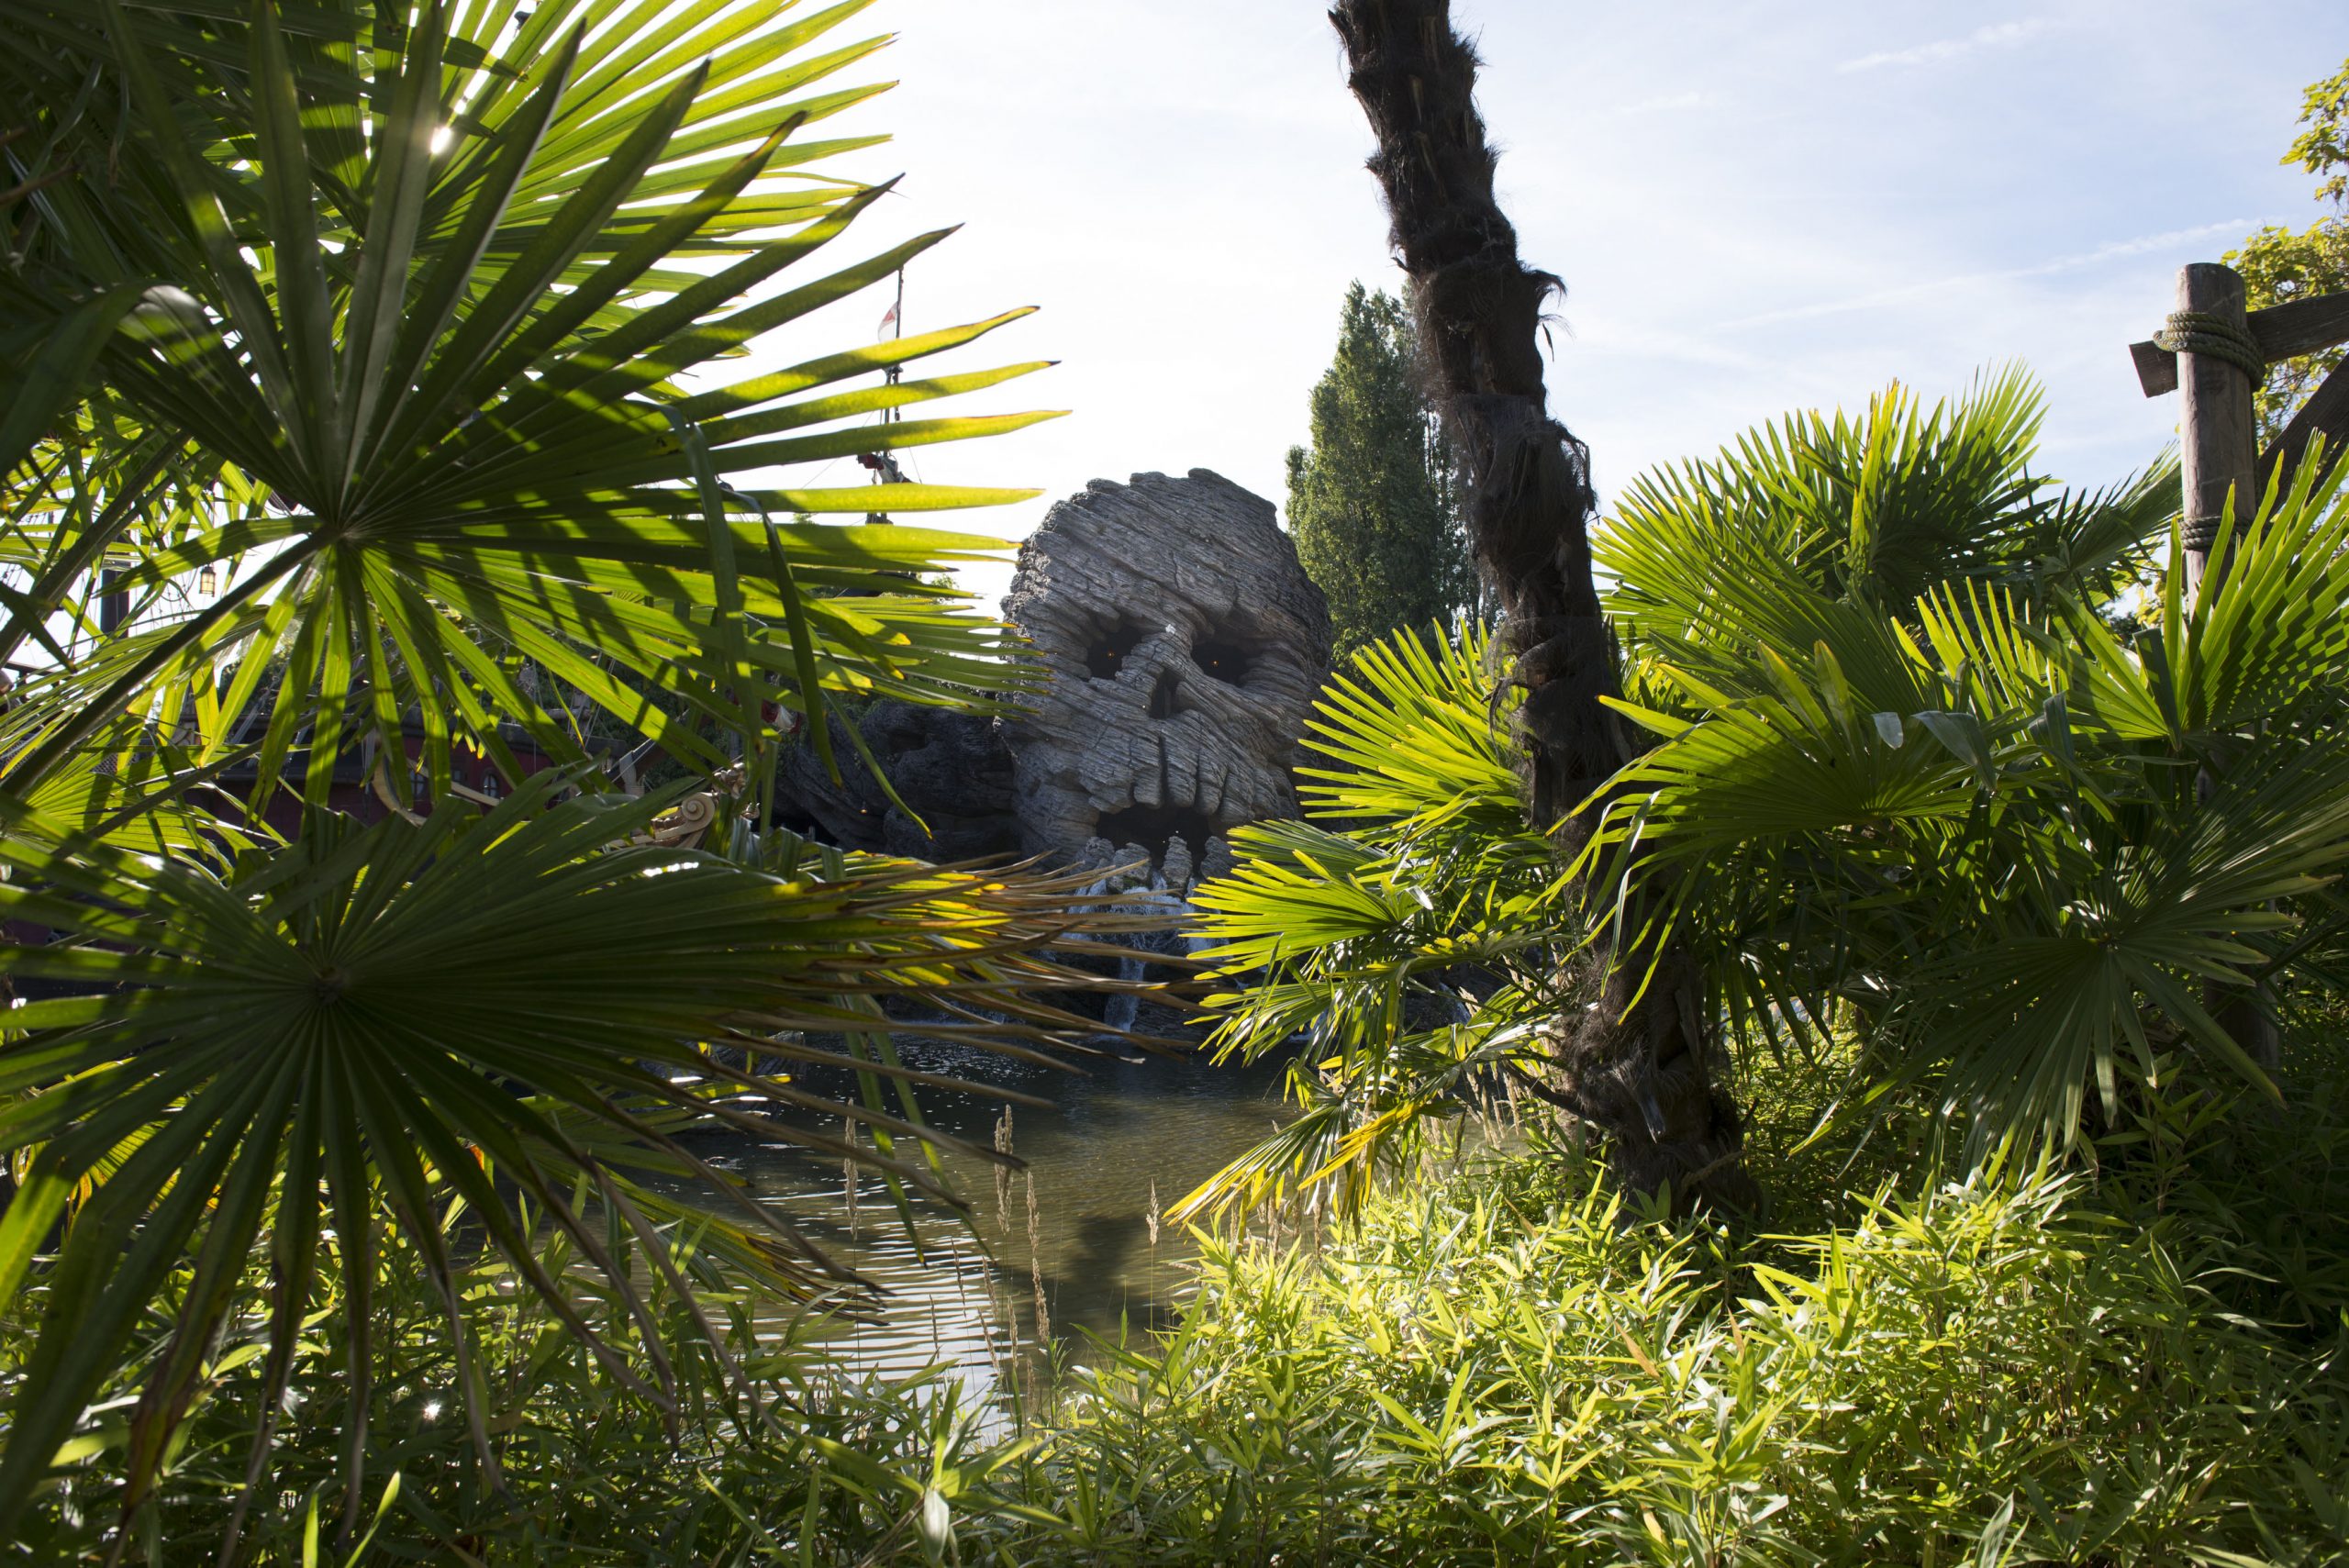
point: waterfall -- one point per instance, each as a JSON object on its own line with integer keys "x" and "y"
{"x": 1119, "y": 1015}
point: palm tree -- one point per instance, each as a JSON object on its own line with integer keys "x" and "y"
{"x": 1923, "y": 764}
{"x": 1926, "y": 778}
{"x": 404, "y": 334}
{"x": 1414, "y": 930}
{"x": 1640, "y": 1066}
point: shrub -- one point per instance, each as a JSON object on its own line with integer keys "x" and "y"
{"x": 814, "y": 1465}
{"x": 1507, "y": 1365}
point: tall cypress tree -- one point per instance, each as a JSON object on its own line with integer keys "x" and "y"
{"x": 1371, "y": 503}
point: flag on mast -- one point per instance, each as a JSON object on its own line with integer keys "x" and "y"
{"x": 887, "y": 322}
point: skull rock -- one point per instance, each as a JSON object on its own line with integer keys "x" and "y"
{"x": 1183, "y": 646}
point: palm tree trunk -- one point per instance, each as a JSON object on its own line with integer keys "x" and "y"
{"x": 1640, "y": 1067}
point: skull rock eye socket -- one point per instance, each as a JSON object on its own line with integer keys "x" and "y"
{"x": 1227, "y": 659}
{"x": 1106, "y": 654}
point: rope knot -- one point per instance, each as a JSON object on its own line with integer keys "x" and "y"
{"x": 2199, "y": 332}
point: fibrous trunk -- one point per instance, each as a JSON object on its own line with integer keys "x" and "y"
{"x": 1639, "y": 1067}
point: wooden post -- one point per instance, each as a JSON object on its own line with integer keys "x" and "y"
{"x": 2219, "y": 438}
{"x": 114, "y": 605}
{"x": 2217, "y": 431}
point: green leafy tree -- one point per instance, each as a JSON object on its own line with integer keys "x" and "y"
{"x": 2280, "y": 264}
{"x": 1371, "y": 503}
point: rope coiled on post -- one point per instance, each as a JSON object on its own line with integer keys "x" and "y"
{"x": 2199, "y": 332}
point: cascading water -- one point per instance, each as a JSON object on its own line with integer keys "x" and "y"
{"x": 1118, "y": 1016}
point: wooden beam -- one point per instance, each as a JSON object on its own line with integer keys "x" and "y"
{"x": 2218, "y": 457}
{"x": 2219, "y": 449}
{"x": 2282, "y": 332}
{"x": 2326, "y": 413}
{"x": 2301, "y": 326}
{"x": 2156, "y": 368}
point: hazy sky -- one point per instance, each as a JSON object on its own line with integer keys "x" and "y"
{"x": 1755, "y": 206}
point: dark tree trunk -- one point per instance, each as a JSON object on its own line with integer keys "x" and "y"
{"x": 1641, "y": 1072}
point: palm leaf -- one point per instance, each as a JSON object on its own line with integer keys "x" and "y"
{"x": 414, "y": 999}
{"x": 459, "y": 449}
{"x": 2009, "y": 842}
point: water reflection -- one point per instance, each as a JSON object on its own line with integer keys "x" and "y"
{"x": 1119, "y": 1146}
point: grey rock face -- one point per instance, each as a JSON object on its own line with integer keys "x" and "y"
{"x": 951, "y": 767}
{"x": 1185, "y": 646}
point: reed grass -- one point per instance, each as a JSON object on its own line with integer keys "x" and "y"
{"x": 2140, "y": 1359}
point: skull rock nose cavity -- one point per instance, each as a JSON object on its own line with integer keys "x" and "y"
{"x": 1166, "y": 697}
{"x": 1107, "y": 653}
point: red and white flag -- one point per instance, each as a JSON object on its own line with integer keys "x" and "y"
{"x": 886, "y": 322}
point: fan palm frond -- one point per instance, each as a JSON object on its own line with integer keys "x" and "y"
{"x": 409, "y": 327}
{"x": 467, "y": 465}
{"x": 539, "y": 994}
{"x": 1401, "y": 955}
{"x": 2043, "y": 844}
{"x": 1874, "y": 512}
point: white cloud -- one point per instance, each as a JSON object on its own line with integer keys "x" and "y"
{"x": 2118, "y": 249}
{"x": 1181, "y": 187}
{"x": 1999, "y": 35}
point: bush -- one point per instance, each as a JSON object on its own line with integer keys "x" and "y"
{"x": 793, "y": 1460}
{"x": 1508, "y": 1366}
{"x": 2137, "y": 1362}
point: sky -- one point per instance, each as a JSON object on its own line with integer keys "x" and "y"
{"x": 1755, "y": 208}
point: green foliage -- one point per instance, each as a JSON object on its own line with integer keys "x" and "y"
{"x": 369, "y": 1007}
{"x": 450, "y": 365}
{"x": 1979, "y": 826}
{"x": 2279, "y": 264}
{"x": 1907, "y": 783}
{"x": 1372, "y": 504}
{"x": 777, "y": 1454}
{"x": 2323, "y": 148}
{"x": 1507, "y": 1365}
{"x": 1411, "y": 950}
{"x": 1872, "y": 512}
{"x": 403, "y": 329}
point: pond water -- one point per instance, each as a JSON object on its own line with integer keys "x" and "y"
{"x": 1124, "y": 1141}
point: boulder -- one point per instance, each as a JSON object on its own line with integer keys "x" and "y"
{"x": 953, "y": 768}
